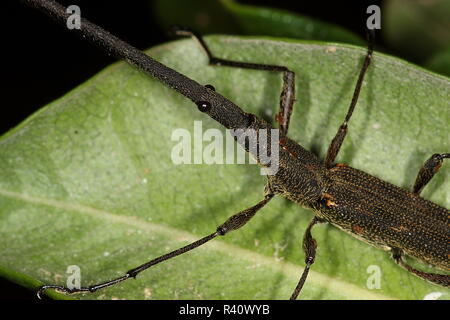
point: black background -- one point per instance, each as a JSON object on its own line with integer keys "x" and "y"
{"x": 41, "y": 61}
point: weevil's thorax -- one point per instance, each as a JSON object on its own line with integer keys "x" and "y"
{"x": 293, "y": 172}
{"x": 301, "y": 176}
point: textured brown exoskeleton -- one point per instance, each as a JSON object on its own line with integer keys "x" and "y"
{"x": 368, "y": 208}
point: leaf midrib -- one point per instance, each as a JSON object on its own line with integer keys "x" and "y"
{"x": 289, "y": 269}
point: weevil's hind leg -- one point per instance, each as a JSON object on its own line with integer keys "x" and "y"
{"x": 233, "y": 223}
{"x": 309, "y": 247}
{"x": 338, "y": 139}
{"x": 436, "y": 278}
{"x": 428, "y": 170}
{"x": 287, "y": 96}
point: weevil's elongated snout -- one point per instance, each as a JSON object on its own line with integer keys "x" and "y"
{"x": 262, "y": 142}
{"x": 221, "y": 109}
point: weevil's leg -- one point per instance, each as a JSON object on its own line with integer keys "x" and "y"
{"x": 338, "y": 139}
{"x": 440, "y": 279}
{"x": 287, "y": 96}
{"x": 233, "y": 223}
{"x": 309, "y": 246}
{"x": 428, "y": 170}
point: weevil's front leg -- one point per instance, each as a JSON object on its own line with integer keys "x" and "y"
{"x": 428, "y": 170}
{"x": 287, "y": 96}
{"x": 233, "y": 223}
{"x": 309, "y": 247}
{"x": 440, "y": 279}
{"x": 338, "y": 139}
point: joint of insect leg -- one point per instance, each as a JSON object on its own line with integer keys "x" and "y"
{"x": 221, "y": 230}
{"x": 131, "y": 274}
{"x": 396, "y": 254}
{"x": 233, "y": 223}
{"x": 214, "y": 61}
{"x": 309, "y": 261}
{"x": 236, "y": 221}
{"x": 211, "y": 87}
{"x": 436, "y": 161}
{"x": 92, "y": 289}
{"x": 268, "y": 192}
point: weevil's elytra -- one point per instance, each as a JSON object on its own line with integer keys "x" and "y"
{"x": 418, "y": 226}
{"x": 366, "y": 207}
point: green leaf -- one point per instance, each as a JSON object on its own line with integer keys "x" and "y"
{"x": 231, "y": 17}
{"x": 88, "y": 180}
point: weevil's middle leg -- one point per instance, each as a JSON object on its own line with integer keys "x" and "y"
{"x": 428, "y": 170}
{"x": 338, "y": 139}
{"x": 287, "y": 96}
{"x": 439, "y": 279}
{"x": 309, "y": 247}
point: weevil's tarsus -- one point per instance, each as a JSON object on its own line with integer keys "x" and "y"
{"x": 428, "y": 170}
{"x": 436, "y": 278}
{"x": 233, "y": 223}
{"x": 41, "y": 290}
{"x": 309, "y": 247}
{"x": 287, "y": 97}
{"x": 338, "y": 139}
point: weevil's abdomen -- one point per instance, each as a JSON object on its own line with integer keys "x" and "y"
{"x": 386, "y": 216}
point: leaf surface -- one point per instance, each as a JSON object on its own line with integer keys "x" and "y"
{"x": 89, "y": 181}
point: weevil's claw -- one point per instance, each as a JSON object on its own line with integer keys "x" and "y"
{"x": 42, "y": 289}
{"x": 40, "y": 292}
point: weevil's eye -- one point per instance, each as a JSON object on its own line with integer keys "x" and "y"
{"x": 209, "y": 86}
{"x": 203, "y": 106}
